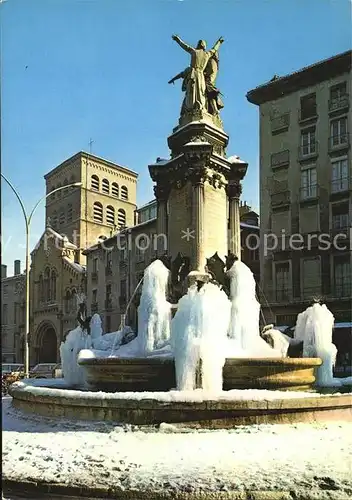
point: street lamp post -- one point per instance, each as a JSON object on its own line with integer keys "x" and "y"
{"x": 28, "y": 220}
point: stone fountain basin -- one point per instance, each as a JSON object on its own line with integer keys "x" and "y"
{"x": 158, "y": 374}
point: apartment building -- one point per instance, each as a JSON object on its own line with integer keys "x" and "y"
{"x": 305, "y": 189}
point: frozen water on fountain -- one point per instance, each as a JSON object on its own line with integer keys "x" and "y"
{"x": 199, "y": 333}
{"x": 245, "y": 339}
{"x": 75, "y": 341}
{"x": 154, "y": 311}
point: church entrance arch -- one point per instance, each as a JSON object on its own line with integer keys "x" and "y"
{"x": 46, "y": 344}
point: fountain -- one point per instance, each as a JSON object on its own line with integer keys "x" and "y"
{"x": 208, "y": 365}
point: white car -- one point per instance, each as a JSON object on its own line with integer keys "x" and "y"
{"x": 43, "y": 370}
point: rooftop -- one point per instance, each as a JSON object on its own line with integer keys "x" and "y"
{"x": 87, "y": 156}
{"x": 305, "y": 77}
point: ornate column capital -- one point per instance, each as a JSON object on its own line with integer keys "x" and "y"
{"x": 162, "y": 191}
{"x": 234, "y": 189}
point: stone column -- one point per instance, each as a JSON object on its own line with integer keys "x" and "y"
{"x": 199, "y": 258}
{"x": 234, "y": 192}
{"x": 161, "y": 193}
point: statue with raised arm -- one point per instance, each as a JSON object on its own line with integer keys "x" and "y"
{"x": 196, "y": 86}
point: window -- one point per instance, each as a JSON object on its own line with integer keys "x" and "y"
{"x": 338, "y": 91}
{"x": 115, "y": 189}
{"x": 94, "y": 182}
{"x": 95, "y": 265}
{"x": 67, "y": 301}
{"x": 308, "y": 144}
{"x": 46, "y": 285}
{"x": 108, "y": 294}
{"x": 110, "y": 215}
{"x": 121, "y": 217}
{"x": 339, "y": 215}
{"x": 282, "y": 280}
{"x": 94, "y": 296}
{"x": 107, "y": 324}
{"x": 62, "y": 217}
{"x": 69, "y": 212}
{"x": 109, "y": 259}
{"x": 4, "y": 314}
{"x": 308, "y": 106}
{"x": 105, "y": 186}
{"x": 53, "y": 285}
{"x": 123, "y": 288}
{"x": 342, "y": 276}
{"x": 141, "y": 244}
{"x": 308, "y": 183}
{"x": 41, "y": 289}
{"x": 339, "y": 176}
{"x": 124, "y": 193}
{"x": 338, "y": 132}
{"x": 98, "y": 212}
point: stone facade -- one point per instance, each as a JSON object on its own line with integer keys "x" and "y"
{"x": 12, "y": 313}
{"x": 305, "y": 189}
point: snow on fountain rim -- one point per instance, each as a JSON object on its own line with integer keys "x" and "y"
{"x": 58, "y": 388}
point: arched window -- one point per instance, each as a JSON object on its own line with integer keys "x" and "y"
{"x": 94, "y": 182}
{"x": 121, "y": 217}
{"x": 53, "y": 285}
{"x": 62, "y": 217}
{"x": 73, "y": 305}
{"x": 54, "y": 220}
{"x": 115, "y": 189}
{"x": 98, "y": 212}
{"x": 69, "y": 212}
{"x": 67, "y": 301}
{"x": 105, "y": 186}
{"x": 124, "y": 193}
{"x": 110, "y": 215}
{"x": 41, "y": 289}
{"x": 46, "y": 287}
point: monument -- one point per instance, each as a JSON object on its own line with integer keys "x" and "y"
{"x": 199, "y": 187}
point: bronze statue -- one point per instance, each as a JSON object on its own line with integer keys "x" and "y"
{"x": 195, "y": 85}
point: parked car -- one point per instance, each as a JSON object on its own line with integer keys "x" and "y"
{"x": 43, "y": 370}
{"x": 8, "y": 368}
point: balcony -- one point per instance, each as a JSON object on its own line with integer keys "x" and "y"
{"x": 308, "y": 151}
{"x": 94, "y": 276}
{"x": 309, "y": 192}
{"x": 94, "y": 307}
{"x": 280, "y": 199}
{"x": 341, "y": 103}
{"x": 340, "y": 185}
{"x": 338, "y": 142}
{"x": 280, "y": 123}
{"x": 280, "y": 159}
{"x": 308, "y": 113}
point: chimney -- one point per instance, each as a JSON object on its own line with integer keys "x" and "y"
{"x": 3, "y": 271}
{"x": 17, "y": 267}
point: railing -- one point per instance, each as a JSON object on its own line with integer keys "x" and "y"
{"x": 338, "y": 185}
{"x": 280, "y": 159}
{"x": 308, "y": 192}
{"x": 94, "y": 276}
{"x": 280, "y": 123}
{"x": 340, "y": 290}
{"x": 338, "y": 141}
{"x": 280, "y": 198}
{"x": 308, "y": 112}
{"x": 308, "y": 150}
{"x": 339, "y": 103}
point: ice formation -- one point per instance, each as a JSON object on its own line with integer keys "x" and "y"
{"x": 245, "y": 309}
{"x": 75, "y": 341}
{"x": 154, "y": 311}
{"x": 314, "y": 326}
{"x": 199, "y": 335}
{"x": 96, "y": 330}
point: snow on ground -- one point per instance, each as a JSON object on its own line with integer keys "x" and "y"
{"x": 314, "y": 458}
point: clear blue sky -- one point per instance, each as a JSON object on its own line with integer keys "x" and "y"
{"x": 79, "y": 69}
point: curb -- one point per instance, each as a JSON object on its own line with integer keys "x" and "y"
{"x": 38, "y": 490}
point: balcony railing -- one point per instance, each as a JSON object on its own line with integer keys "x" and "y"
{"x": 339, "y": 185}
{"x": 94, "y": 276}
{"x": 308, "y": 150}
{"x": 280, "y": 123}
{"x": 339, "y": 141}
{"x": 280, "y": 159}
{"x": 339, "y": 103}
{"x": 308, "y": 112}
{"x": 280, "y": 199}
{"x": 309, "y": 192}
